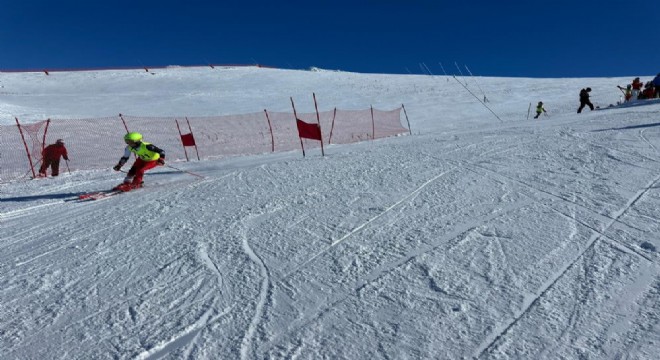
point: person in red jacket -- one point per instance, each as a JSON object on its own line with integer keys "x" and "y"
{"x": 51, "y": 157}
{"x": 636, "y": 88}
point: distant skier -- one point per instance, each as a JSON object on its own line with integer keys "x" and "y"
{"x": 148, "y": 157}
{"x": 648, "y": 92}
{"x": 627, "y": 92}
{"x": 637, "y": 85}
{"x": 656, "y": 84}
{"x": 51, "y": 158}
{"x": 539, "y": 110}
{"x": 584, "y": 100}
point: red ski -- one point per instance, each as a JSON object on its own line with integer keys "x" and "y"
{"x": 98, "y": 195}
{"x": 121, "y": 188}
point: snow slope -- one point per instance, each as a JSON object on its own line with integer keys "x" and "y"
{"x": 476, "y": 237}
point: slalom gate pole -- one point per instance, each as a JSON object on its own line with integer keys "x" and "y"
{"x": 185, "y": 171}
{"x": 181, "y": 136}
{"x": 295, "y": 116}
{"x": 318, "y": 120}
{"x": 123, "y": 122}
{"x": 191, "y": 133}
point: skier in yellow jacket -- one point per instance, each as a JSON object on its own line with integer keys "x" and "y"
{"x": 148, "y": 157}
{"x": 539, "y": 110}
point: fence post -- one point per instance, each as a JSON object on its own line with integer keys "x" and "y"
{"x": 26, "y": 148}
{"x": 528, "y": 109}
{"x": 332, "y": 127}
{"x": 373, "y": 124}
{"x": 270, "y": 127}
{"x": 408, "y": 121}
{"x": 43, "y": 142}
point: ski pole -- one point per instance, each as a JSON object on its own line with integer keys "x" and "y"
{"x": 67, "y": 166}
{"x": 185, "y": 171}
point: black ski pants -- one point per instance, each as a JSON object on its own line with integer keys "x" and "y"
{"x": 584, "y": 103}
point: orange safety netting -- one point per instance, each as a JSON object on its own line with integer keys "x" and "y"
{"x": 97, "y": 143}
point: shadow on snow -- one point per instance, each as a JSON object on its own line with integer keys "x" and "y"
{"x": 629, "y": 127}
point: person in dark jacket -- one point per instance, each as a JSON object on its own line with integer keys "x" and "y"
{"x": 656, "y": 84}
{"x": 648, "y": 92}
{"x": 51, "y": 158}
{"x": 584, "y": 100}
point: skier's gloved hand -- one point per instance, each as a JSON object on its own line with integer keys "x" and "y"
{"x": 117, "y": 167}
{"x": 161, "y": 161}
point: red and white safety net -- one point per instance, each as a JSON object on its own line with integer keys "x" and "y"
{"x": 97, "y": 143}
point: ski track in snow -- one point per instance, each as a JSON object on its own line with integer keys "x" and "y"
{"x": 26, "y": 211}
{"x": 407, "y": 197}
{"x": 545, "y": 193}
{"x": 614, "y": 219}
{"x": 185, "y": 338}
{"x": 204, "y": 255}
{"x": 247, "y": 347}
{"x": 641, "y": 135}
{"x": 447, "y": 242}
{"x": 338, "y": 298}
{"x": 491, "y": 340}
{"x": 382, "y": 270}
{"x": 365, "y": 224}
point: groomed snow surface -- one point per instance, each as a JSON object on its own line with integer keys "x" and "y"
{"x": 473, "y": 238}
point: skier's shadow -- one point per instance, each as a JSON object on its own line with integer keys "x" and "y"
{"x": 62, "y": 196}
{"x": 630, "y": 127}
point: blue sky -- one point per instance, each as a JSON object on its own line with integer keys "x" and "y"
{"x": 554, "y": 38}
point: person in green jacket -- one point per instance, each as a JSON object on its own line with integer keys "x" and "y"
{"x": 539, "y": 110}
{"x": 148, "y": 157}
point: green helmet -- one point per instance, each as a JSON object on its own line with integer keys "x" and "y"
{"x": 133, "y": 136}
